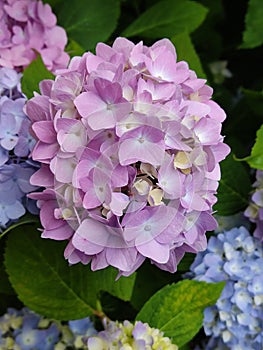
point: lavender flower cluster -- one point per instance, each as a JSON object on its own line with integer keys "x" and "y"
{"x": 255, "y": 209}
{"x": 129, "y": 142}
{"x": 236, "y": 321}
{"x": 128, "y": 336}
{"x": 26, "y": 330}
{"x": 28, "y": 26}
{"x": 15, "y": 145}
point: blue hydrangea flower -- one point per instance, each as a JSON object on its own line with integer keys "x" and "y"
{"x": 236, "y": 321}
{"x": 82, "y": 327}
{"x": 16, "y": 143}
{"x": 26, "y": 330}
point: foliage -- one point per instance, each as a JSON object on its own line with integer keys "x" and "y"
{"x": 167, "y": 18}
{"x": 255, "y": 160}
{"x": 253, "y": 34}
{"x": 77, "y": 284}
{"x": 205, "y": 33}
{"x": 88, "y": 22}
{"x": 33, "y": 75}
{"x": 177, "y": 309}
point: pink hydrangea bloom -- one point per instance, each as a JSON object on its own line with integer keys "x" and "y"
{"x": 27, "y": 27}
{"x": 130, "y": 145}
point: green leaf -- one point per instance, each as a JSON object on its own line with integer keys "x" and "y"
{"x": 88, "y": 22}
{"x": 255, "y": 160}
{"x": 5, "y": 286}
{"x": 46, "y": 283}
{"x": 33, "y": 75}
{"x": 234, "y": 187}
{"x": 74, "y": 49}
{"x": 177, "y": 309}
{"x": 253, "y": 34}
{"x": 168, "y": 18}
{"x": 26, "y": 219}
{"x": 186, "y": 51}
{"x": 149, "y": 279}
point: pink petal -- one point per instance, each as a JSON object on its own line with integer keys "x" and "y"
{"x": 155, "y": 251}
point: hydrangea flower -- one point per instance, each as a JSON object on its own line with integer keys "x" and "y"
{"x": 130, "y": 145}
{"x": 255, "y": 209}
{"x": 16, "y": 143}
{"x": 235, "y": 322}
{"x": 139, "y": 336}
{"x": 27, "y": 27}
{"x": 26, "y": 330}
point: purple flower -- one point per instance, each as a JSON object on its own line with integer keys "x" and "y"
{"x": 129, "y": 142}
{"x": 28, "y": 27}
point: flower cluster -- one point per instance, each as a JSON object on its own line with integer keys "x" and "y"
{"x": 25, "y": 330}
{"x": 27, "y": 27}
{"x": 139, "y": 336}
{"x": 235, "y": 322}
{"x": 255, "y": 209}
{"x": 15, "y": 145}
{"x": 129, "y": 142}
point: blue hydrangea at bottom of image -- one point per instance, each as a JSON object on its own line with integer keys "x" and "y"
{"x": 26, "y": 330}
{"x": 236, "y": 321}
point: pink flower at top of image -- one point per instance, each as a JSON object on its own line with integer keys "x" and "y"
{"x": 130, "y": 144}
{"x": 28, "y": 27}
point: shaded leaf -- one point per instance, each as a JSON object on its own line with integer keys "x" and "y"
{"x": 74, "y": 49}
{"x": 88, "y": 22}
{"x": 168, "y": 18}
{"x": 46, "y": 283}
{"x": 253, "y": 34}
{"x": 149, "y": 279}
{"x": 177, "y": 309}
{"x": 186, "y": 51}
{"x": 5, "y": 286}
{"x": 115, "y": 308}
{"x": 234, "y": 187}
{"x": 25, "y": 219}
{"x": 32, "y": 76}
{"x": 186, "y": 262}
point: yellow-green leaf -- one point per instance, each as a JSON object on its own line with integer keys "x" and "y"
{"x": 177, "y": 309}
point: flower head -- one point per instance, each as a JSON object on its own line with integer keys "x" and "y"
{"x": 16, "y": 143}
{"x": 129, "y": 142}
{"x": 28, "y": 27}
{"x": 235, "y": 322}
{"x": 129, "y": 336}
{"x": 26, "y": 330}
